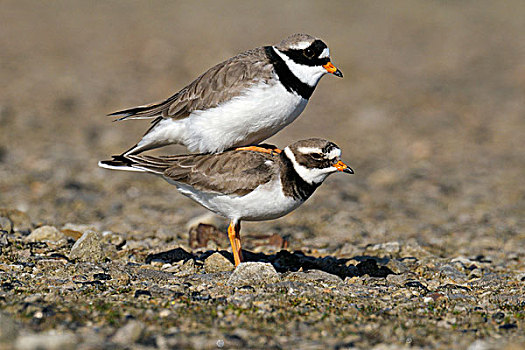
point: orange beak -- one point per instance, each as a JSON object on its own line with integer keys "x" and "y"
{"x": 330, "y": 68}
{"x": 343, "y": 167}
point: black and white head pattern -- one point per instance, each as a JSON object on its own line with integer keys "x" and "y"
{"x": 313, "y": 159}
{"x": 298, "y": 61}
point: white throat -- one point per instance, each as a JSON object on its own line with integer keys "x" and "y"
{"x": 309, "y": 75}
{"x": 310, "y": 175}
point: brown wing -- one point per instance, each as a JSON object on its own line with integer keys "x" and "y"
{"x": 219, "y": 84}
{"x": 233, "y": 172}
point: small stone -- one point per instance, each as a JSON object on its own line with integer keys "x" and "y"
{"x": 164, "y": 313}
{"x": 49, "y": 340}
{"x": 188, "y": 268}
{"x": 452, "y": 273}
{"x": 399, "y": 280}
{"x": 3, "y": 240}
{"x": 88, "y": 247}
{"x": 250, "y": 273}
{"x": 6, "y": 224}
{"x": 19, "y": 219}
{"x": 129, "y": 333}
{"x": 45, "y": 233}
{"x": 465, "y": 262}
{"x": 217, "y": 263}
{"x": 202, "y": 234}
{"x": 397, "y": 266}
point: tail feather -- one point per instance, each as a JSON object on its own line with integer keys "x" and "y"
{"x": 136, "y": 163}
{"x": 144, "y": 112}
{"x": 119, "y": 163}
{"x": 141, "y": 112}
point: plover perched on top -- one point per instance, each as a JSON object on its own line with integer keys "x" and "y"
{"x": 241, "y": 101}
{"x": 244, "y": 185}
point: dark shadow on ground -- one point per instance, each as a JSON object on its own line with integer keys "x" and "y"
{"x": 285, "y": 261}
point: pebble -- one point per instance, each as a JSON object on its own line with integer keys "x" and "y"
{"x": 88, "y": 247}
{"x": 6, "y": 224}
{"x": 52, "y": 340}
{"x": 251, "y": 273}
{"x": 452, "y": 273}
{"x": 397, "y": 279}
{"x": 20, "y": 220}
{"x": 397, "y": 266}
{"x": 129, "y": 333}
{"x": 217, "y": 263}
{"x": 3, "y": 240}
{"x": 45, "y": 233}
{"x": 188, "y": 268}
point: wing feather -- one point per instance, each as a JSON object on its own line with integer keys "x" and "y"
{"x": 234, "y": 172}
{"x": 217, "y": 85}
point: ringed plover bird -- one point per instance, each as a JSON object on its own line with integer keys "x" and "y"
{"x": 242, "y": 184}
{"x": 241, "y": 101}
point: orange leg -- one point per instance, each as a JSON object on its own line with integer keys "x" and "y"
{"x": 259, "y": 149}
{"x": 235, "y": 240}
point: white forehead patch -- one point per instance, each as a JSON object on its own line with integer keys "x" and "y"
{"x": 334, "y": 153}
{"x": 325, "y": 53}
{"x": 300, "y": 45}
{"x": 307, "y": 150}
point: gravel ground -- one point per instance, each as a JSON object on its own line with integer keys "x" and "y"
{"x": 423, "y": 247}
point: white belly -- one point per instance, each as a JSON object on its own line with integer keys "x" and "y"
{"x": 266, "y": 202}
{"x": 247, "y": 119}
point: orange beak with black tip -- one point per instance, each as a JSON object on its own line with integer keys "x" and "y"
{"x": 343, "y": 167}
{"x": 330, "y": 68}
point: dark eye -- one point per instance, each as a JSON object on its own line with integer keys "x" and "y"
{"x": 308, "y": 52}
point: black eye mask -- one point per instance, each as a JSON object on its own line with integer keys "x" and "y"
{"x": 302, "y": 56}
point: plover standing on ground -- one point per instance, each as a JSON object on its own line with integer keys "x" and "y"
{"x": 244, "y": 185}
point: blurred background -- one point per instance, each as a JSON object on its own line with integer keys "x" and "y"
{"x": 430, "y": 113}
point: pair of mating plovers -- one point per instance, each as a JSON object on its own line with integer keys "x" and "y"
{"x": 223, "y": 115}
